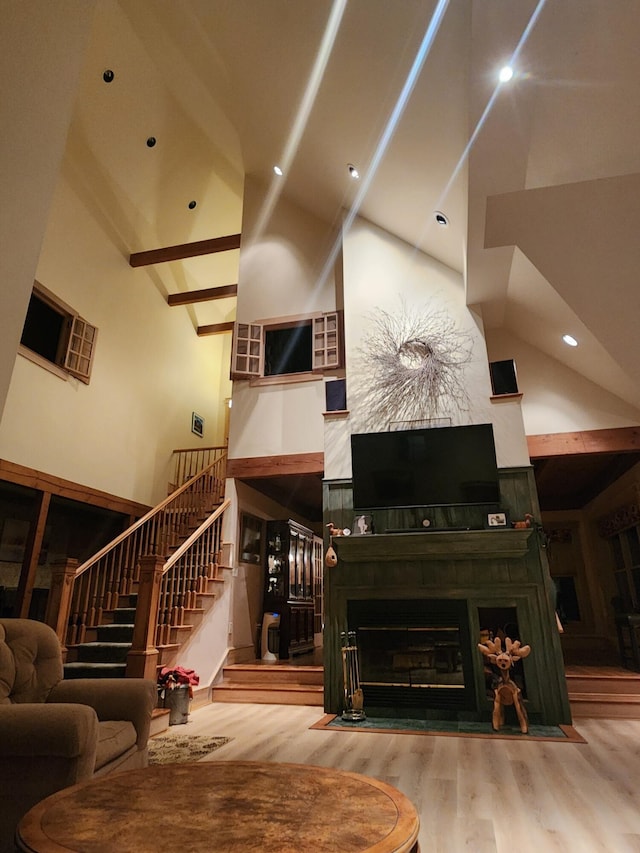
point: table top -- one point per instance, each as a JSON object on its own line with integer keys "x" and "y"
{"x": 227, "y": 807}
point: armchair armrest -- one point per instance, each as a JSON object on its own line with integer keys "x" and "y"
{"x": 131, "y": 699}
{"x": 43, "y": 748}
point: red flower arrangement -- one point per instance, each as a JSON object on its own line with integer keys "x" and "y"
{"x": 177, "y": 676}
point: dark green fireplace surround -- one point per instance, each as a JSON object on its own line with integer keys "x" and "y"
{"x": 493, "y": 571}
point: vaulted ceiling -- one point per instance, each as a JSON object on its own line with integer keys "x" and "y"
{"x": 539, "y": 177}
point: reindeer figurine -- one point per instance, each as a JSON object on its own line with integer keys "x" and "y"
{"x": 507, "y": 691}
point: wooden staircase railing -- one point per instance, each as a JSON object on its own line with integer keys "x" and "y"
{"x": 168, "y": 557}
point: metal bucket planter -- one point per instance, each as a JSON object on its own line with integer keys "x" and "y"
{"x": 177, "y": 701}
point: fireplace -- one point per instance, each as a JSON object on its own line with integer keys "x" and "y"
{"x": 414, "y": 654}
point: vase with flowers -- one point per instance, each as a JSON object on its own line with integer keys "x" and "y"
{"x": 175, "y": 686}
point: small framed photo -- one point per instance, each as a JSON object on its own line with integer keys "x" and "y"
{"x": 497, "y": 519}
{"x": 362, "y": 525}
{"x": 197, "y": 424}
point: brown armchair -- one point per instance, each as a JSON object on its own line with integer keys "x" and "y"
{"x": 55, "y": 732}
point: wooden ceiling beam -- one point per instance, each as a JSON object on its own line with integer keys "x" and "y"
{"x": 185, "y": 250}
{"x": 206, "y": 295}
{"x": 621, "y": 440}
{"x": 215, "y": 329}
{"x": 275, "y": 466}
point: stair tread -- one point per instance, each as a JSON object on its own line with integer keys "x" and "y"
{"x": 605, "y": 697}
{"x": 268, "y": 685}
{"x": 272, "y": 667}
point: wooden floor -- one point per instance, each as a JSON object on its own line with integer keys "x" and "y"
{"x": 472, "y": 794}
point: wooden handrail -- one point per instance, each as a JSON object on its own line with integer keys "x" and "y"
{"x": 153, "y": 512}
{"x": 195, "y": 536}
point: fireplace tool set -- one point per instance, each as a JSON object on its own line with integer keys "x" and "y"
{"x": 353, "y": 696}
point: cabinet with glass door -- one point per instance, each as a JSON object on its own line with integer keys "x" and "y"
{"x": 288, "y": 588}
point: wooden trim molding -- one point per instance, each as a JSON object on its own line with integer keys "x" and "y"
{"x": 22, "y": 476}
{"x": 275, "y": 466}
{"x": 190, "y": 296}
{"x": 185, "y": 250}
{"x": 587, "y": 441}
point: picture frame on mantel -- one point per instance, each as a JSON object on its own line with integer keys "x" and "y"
{"x": 497, "y": 520}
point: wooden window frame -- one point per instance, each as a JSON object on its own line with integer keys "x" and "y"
{"x": 327, "y": 347}
{"x": 76, "y": 346}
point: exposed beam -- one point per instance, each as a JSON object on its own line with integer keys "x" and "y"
{"x": 275, "y": 466}
{"x": 191, "y": 296}
{"x": 622, "y": 440}
{"x": 215, "y": 328}
{"x": 185, "y": 250}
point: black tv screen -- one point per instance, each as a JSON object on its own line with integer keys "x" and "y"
{"x": 424, "y": 467}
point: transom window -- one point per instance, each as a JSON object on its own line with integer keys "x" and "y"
{"x": 56, "y": 337}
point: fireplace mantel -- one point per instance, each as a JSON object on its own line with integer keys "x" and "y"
{"x": 434, "y": 545}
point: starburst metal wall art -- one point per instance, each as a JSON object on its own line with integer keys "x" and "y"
{"x": 410, "y": 367}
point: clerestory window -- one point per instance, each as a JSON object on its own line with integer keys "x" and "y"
{"x": 287, "y": 347}
{"x": 56, "y": 337}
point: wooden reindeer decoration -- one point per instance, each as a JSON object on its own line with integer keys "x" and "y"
{"x": 507, "y": 691}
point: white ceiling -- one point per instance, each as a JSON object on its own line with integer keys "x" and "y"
{"x": 231, "y": 87}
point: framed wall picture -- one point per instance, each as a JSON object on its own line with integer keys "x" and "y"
{"x": 497, "y": 519}
{"x": 251, "y": 536}
{"x": 197, "y": 424}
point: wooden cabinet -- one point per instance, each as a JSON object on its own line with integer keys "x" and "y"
{"x": 288, "y": 587}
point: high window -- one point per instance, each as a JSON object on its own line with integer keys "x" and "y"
{"x": 290, "y": 346}
{"x": 56, "y": 337}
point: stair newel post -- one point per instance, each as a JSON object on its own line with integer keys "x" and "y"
{"x": 63, "y": 575}
{"x": 142, "y": 658}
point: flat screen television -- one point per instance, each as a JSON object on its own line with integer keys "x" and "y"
{"x": 441, "y": 466}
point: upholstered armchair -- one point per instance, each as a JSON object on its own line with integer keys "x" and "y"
{"x": 55, "y": 732}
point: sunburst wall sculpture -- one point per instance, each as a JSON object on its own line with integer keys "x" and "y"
{"x": 410, "y": 367}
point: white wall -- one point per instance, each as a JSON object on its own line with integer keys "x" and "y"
{"x": 150, "y": 371}
{"x": 556, "y": 398}
{"x": 280, "y": 275}
{"x": 381, "y": 273}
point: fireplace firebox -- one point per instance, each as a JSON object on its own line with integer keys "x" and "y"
{"x": 414, "y": 654}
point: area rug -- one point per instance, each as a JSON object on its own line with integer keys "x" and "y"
{"x": 449, "y": 728}
{"x": 182, "y": 748}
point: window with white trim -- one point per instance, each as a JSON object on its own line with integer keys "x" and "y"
{"x": 56, "y": 337}
{"x": 289, "y": 346}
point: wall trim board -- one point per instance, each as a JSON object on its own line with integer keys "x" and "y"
{"x": 588, "y": 441}
{"x": 20, "y": 475}
{"x": 275, "y": 466}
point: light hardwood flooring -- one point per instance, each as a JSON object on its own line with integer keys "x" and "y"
{"x": 472, "y": 794}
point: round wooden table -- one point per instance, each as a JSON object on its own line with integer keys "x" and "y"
{"x": 224, "y": 806}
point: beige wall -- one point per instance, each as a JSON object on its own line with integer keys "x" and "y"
{"x": 150, "y": 371}
{"x": 556, "y": 398}
{"x": 42, "y": 49}
{"x": 280, "y": 275}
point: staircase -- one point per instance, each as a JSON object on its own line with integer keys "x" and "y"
{"x": 106, "y": 656}
{"x": 270, "y": 684}
{"x": 95, "y": 607}
{"x": 606, "y": 692}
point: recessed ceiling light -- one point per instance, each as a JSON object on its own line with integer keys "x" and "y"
{"x": 570, "y": 340}
{"x": 151, "y": 141}
{"x": 355, "y": 174}
{"x": 108, "y": 76}
{"x": 441, "y": 219}
{"x": 505, "y": 74}
{"x": 192, "y": 205}
{"x": 278, "y": 171}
